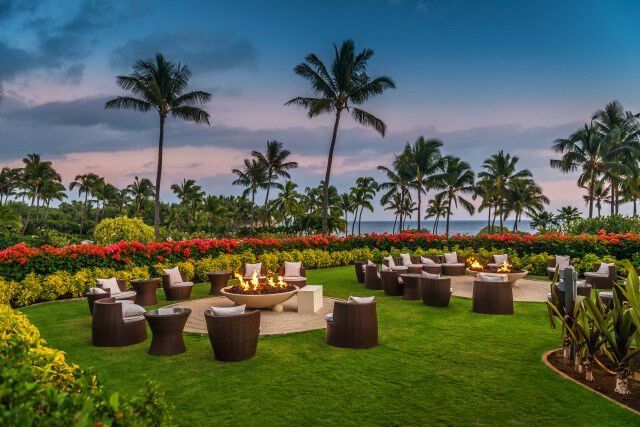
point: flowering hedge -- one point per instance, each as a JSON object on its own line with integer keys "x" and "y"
{"x": 38, "y": 386}
{"x": 19, "y": 260}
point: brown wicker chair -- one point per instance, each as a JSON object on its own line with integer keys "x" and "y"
{"x": 492, "y": 297}
{"x": 122, "y": 284}
{"x": 235, "y": 337}
{"x": 176, "y": 291}
{"x": 298, "y": 282}
{"x": 353, "y": 325}
{"x": 372, "y": 278}
{"x": 390, "y": 281}
{"x": 92, "y": 298}
{"x": 453, "y": 269}
{"x": 551, "y": 267}
{"x": 108, "y": 329}
{"x": 435, "y": 292}
{"x": 601, "y": 281}
{"x": 433, "y": 269}
{"x": 359, "y": 270}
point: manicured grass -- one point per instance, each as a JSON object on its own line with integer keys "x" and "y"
{"x": 433, "y": 366}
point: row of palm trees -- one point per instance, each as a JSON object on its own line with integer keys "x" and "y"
{"x": 606, "y": 153}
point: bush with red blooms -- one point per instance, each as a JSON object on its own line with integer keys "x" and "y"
{"x": 19, "y": 260}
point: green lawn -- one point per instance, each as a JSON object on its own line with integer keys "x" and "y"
{"x": 436, "y": 366}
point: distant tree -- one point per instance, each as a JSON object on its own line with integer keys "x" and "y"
{"x": 362, "y": 195}
{"x": 344, "y": 86}
{"x": 84, "y": 184}
{"x": 253, "y": 176}
{"x": 455, "y": 178}
{"x": 288, "y": 202}
{"x": 437, "y": 208}
{"x": 346, "y": 205}
{"x": 423, "y": 158}
{"x": 161, "y": 86}
{"x": 542, "y": 220}
{"x": 524, "y": 196}
{"x": 140, "y": 191}
{"x": 567, "y": 215}
{"x": 274, "y": 161}
{"x": 36, "y": 173}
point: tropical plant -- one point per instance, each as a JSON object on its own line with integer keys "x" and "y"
{"x": 288, "y": 202}
{"x": 253, "y": 176}
{"x": 524, "y": 196}
{"x": 346, "y": 204}
{"x": 567, "y": 215}
{"x": 437, "y": 208}
{"x": 114, "y": 230}
{"x": 454, "y": 178}
{"x": 36, "y": 173}
{"x": 141, "y": 190}
{"x": 274, "y": 161}
{"x": 10, "y": 221}
{"x": 543, "y": 221}
{"x": 190, "y": 195}
{"x": 160, "y": 85}
{"x": 344, "y": 86}
{"x": 362, "y": 195}
{"x": 423, "y": 160}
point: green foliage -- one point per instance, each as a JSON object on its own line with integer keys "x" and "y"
{"x": 610, "y": 224}
{"x": 114, "y": 230}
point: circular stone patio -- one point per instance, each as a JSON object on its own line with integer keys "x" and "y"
{"x": 527, "y": 290}
{"x": 271, "y": 323}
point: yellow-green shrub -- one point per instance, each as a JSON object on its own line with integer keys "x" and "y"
{"x": 113, "y": 230}
{"x": 28, "y": 291}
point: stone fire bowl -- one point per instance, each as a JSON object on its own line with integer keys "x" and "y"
{"x": 273, "y": 301}
{"x": 512, "y": 277}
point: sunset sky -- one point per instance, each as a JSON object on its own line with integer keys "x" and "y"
{"x": 481, "y": 76}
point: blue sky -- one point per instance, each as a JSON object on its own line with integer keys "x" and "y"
{"x": 482, "y": 76}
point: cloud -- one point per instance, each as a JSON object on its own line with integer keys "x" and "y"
{"x": 201, "y": 51}
{"x": 9, "y": 8}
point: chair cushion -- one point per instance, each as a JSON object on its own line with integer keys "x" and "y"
{"x": 429, "y": 262}
{"x": 132, "y": 310}
{"x": 451, "y": 258}
{"x": 430, "y": 275}
{"x": 399, "y": 268}
{"x": 329, "y": 317}
{"x": 604, "y": 268}
{"x": 384, "y": 268}
{"x": 361, "y": 300}
{"x": 249, "y": 269}
{"x": 228, "y": 311}
{"x": 292, "y": 268}
{"x": 182, "y": 285}
{"x": 174, "y": 275}
{"x": 606, "y": 294}
{"x": 454, "y": 264}
{"x": 500, "y": 259}
{"x": 392, "y": 263}
{"x": 97, "y": 291}
{"x": 111, "y": 284}
{"x": 124, "y": 295}
{"x": 294, "y": 278}
{"x": 369, "y": 262}
{"x": 406, "y": 259}
{"x": 595, "y": 274}
{"x": 400, "y": 281}
{"x": 563, "y": 261}
{"x": 132, "y": 319}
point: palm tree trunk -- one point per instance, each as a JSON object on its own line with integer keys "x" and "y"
{"x": 360, "y": 219}
{"x": 346, "y": 224}
{"x": 591, "y": 190}
{"x": 26, "y": 222}
{"x": 325, "y": 214}
{"x": 448, "y": 215}
{"x": 266, "y": 199}
{"x": 355, "y": 218}
{"x": 395, "y": 219}
{"x": 635, "y": 200}
{"x": 156, "y": 202}
{"x": 613, "y": 198}
{"x": 419, "y": 202}
{"x": 501, "y": 219}
{"x": 489, "y": 220}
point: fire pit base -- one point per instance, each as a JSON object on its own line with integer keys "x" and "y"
{"x": 271, "y": 301}
{"x": 512, "y": 276}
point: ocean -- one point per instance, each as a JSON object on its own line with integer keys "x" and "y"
{"x": 455, "y": 227}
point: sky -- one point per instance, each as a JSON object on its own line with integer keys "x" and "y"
{"x": 480, "y": 76}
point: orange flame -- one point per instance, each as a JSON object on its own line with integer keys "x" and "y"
{"x": 505, "y": 268}
{"x": 475, "y": 265}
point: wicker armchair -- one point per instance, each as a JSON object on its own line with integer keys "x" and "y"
{"x": 359, "y": 265}
{"x": 353, "y": 325}
{"x": 398, "y": 265}
{"x": 454, "y": 269}
{"x": 176, "y": 291}
{"x": 551, "y": 267}
{"x": 435, "y": 292}
{"x": 601, "y": 280}
{"x": 109, "y": 329}
{"x": 299, "y": 281}
{"x": 492, "y": 297}
{"x": 372, "y": 278}
{"x": 235, "y": 337}
{"x": 123, "y": 295}
{"x": 433, "y": 269}
{"x": 391, "y": 283}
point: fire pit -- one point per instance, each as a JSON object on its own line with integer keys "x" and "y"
{"x": 255, "y": 293}
{"x": 513, "y": 274}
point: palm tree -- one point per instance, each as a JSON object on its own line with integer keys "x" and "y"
{"x": 161, "y": 86}
{"x": 583, "y": 150}
{"x": 9, "y": 182}
{"x": 567, "y": 215}
{"x": 85, "y": 184}
{"x": 343, "y": 87}
{"x": 486, "y": 190}
{"x": 524, "y": 195}
{"x": 254, "y": 177}
{"x": 288, "y": 202}
{"x": 346, "y": 205}
{"x": 52, "y": 190}
{"x": 274, "y": 160}
{"x": 542, "y": 220}
{"x": 141, "y": 190}
{"x": 423, "y": 159}
{"x": 437, "y": 208}
{"x": 362, "y": 194}
{"x": 500, "y": 169}
{"x": 454, "y": 178}
{"x": 190, "y": 195}
{"x": 35, "y": 173}
{"x": 600, "y": 195}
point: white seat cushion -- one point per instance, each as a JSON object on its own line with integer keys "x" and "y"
{"x": 361, "y": 300}
{"x": 384, "y": 268}
{"x": 329, "y": 317}
{"x": 97, "y": 291}
{"x": 595, "y": 274}
{"x": 364, "y": 266}
{"x": 493, "y": 265}
{"x": 174, "y": 275}
{"x": 182, "y": 285}
{"x": 430, "y": 275}
{"x": 111, "y": 284}
{"x": 551, "y": 269}
{"x": 124, "y": 295}
{"x": 500, "y": 259}
{"x": 392, "y": 263}
{"x": 451, "y": 258}
{"x": 406, "y": 259}
{"x": 400, "y": 281}
{"x": 132, "y": 319}
{"x": 399, "y": 268}
{"x": 606, "y": 294}
{"x": 455, "y": 264}
{"x": 250, "y": 268}
{"x": 294, "y": 278}
{"x": 562, "y": 261}
{"x": 292, "y": 269}
{"x": 429, "y": 262}
{"x": 132, "y": 310}
{"x": 228, "y": 311}
{"x": 604, "y": 268}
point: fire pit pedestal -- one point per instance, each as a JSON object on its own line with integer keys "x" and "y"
{"x": 512, "y": 276}
{"x": 273, "y": 301}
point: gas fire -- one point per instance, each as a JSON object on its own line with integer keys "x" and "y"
{"x": 255, "y": 285}
{"x": 505, "y": 268}
{"x": 475, "y": 265}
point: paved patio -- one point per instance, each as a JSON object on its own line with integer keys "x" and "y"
{"x": 527, "y": 290}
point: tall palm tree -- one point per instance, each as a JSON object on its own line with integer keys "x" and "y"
{"x": 423, "y": 160}
{"x": 454, "y": 178}
{"x": 524, "y": 195}
{"x": 274, "y": 160}
{"x": 486, "y": 190}
{"x": 342, "y": 87}
{"x": 35, "y": 173}
{"x": 253, "y": 176}
{"x": 161, "y": 86}
{"x": 436, "y": 208}
{"x": 346, "y": 205}
{"x": 583, "y": 150}
{"x": 190, "y": 195}
{"x": 140, "y": 190}
{"x": 288, "y": 202}
{"x": 600, "y": 195}
{"x": 10, "y": 179}
{"x": 500, "y": 169}
{"x": 85, "y": 183}
{"x": 362, "y": 195}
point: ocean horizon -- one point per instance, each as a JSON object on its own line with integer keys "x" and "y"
{"x": 470, "y": 227}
